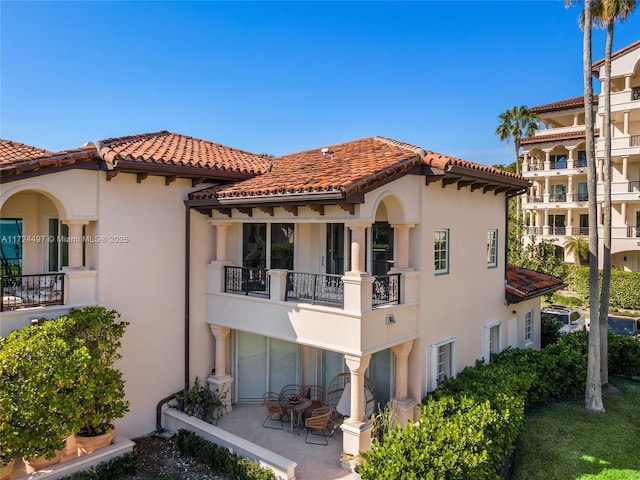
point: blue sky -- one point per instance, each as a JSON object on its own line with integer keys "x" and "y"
{"x": 282, "y": 77}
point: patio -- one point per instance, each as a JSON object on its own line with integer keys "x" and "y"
{"x": 315, "y": 462}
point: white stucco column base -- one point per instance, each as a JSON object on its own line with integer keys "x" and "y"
{"x": 221, "y": 386}
{"x": 406, "y": 409}
{"x": 356, "y": 437}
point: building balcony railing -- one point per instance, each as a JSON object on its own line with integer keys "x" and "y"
{"x": 583, "y": 230}
{"x": 558, "y": 198}
{"x": 633, "y": 231}
{"x": 634, "y": 141}
{"x": 533, "y": 230}
{"x": 315, "y": 288}
{"x": 386, "y": 290}
{"x": 246, "y": 280}
{"x": 26, "y": 291}
{"x": 534, "y": 199}
{"x": 557, "y": 230}
{"x": 635, "y": 93}
{"x": 634, "y": 186}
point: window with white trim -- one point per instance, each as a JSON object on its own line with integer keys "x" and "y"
{"x": 442, "y": 362}
{"x": 441, "y": 251}
{"x": 528, "y": 327}
{"x": 492, "y": 248}
{"x": 491, "y": 340}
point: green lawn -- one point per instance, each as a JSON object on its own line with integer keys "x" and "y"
{"x": 562, "y": 441}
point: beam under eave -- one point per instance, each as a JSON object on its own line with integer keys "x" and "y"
{"x": 291, "y": 209}
{"x": 246, "y": 210}
{"x": 348, "y": 207}
{"x": 488, "y": 188}
{"x": 196, "y": 181}
{"x": 169, "y": 179}
{"x": 266, "y": 209}
{"x": 500, "y": 190}
{"x": 464, "y": 183}
{"x": 224, "y": 211}
{"x": 449, "y": 181}
{"x": 477, "y": 185}
{"x": 317, "y": 207}
{"x": 111, "y": 174}
{"x": 140, "y": 177}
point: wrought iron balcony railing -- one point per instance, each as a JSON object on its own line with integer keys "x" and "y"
{"x": 245, "y": 280}
{"x": 26, "y": 291}
{"x": 386, "y": 289}
{"x": 315, "y": 288}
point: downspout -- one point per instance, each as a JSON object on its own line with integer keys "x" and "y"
{"x": 187, "y": 270}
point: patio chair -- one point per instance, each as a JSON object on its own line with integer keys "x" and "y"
{"x": 315, "y": 393}
{"x": 336, "y": 390}
{"x": 317, "y": 424}
{"x": 275, "y": 411}
{"x": 291, "y": 389}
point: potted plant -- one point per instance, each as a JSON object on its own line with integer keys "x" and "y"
{"x": 200, "y": 402}
{"x": 39, "y": 392}
{"x": 101, "y": 331}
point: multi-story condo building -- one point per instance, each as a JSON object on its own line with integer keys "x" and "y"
{"x": 371, "y": 260}
{"x": 555, "y": 207}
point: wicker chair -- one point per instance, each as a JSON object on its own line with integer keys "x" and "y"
{"x": 336, "y": 388}
{"x": 315, "y": 393}
{"x": 275, "y": 411}
{"x": 318, "y": 424}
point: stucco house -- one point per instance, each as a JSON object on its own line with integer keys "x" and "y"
{"x": 372, "y": 257}
{"x": 555, "y": 162}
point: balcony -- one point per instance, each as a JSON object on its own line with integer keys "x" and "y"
{"x": 534, "y": 199}
{"x": 354, "y": 312}
{"x": 28, "y": 291}
{"x": 634, "y": 141}
{"x": 557, "y": 230}
{"x": 313, "y": 288}
{"x": 558, "y": 198}
{"x": 634, "y": 187}
{"x": 533, "y": 230}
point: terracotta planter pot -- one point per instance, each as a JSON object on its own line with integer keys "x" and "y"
{"x": 6, "y": 470}
{"x": 39, "y": 463}
{"x": 90, "y": 444}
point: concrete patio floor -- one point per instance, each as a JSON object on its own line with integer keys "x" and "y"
{"x": 315, "y": 462}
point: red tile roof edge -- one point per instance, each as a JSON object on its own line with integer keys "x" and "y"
{"x": 560, "y": 105}
{"x": 616, "y": 54}
{"x": 20, "y": 152}
{"x": 524, "y": 284}
{"x": 557, "y": 136}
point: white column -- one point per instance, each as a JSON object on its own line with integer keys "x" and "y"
{"x": 627, "y": 82}
{"x": 571, "y": 159}
{"x": 356, "y": 429}
{"x": 358, "y": 231}
{"x": 545, "y": 194}
{"x": 220, "y": 382}
{"x": 599, "y": 213}
{"x": 625, "y": 127}
{"x": 545, "y": 227}
{"x": 575, "y": 119}
{"x": 547, "y": 159}
{"x": 402, "y": 246}
{"x": 221, "y": 240}
{"x": 569, "y": 228}
{"x": 525, "y": 162}
{"x": 600, "y": 170}
{"x": 625, "y": 169}
{"x": 402, "y": 402}
{"x": 75, "y": 242}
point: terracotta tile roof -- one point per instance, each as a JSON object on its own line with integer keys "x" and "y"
{"x": 346, "y": 169}
{"x": 568, "y": 104}
{"x": 14, "y": 152}
{"x": 523, "y": 284}
{"x": 557, "y": 136}
{"x": 616, "y": 54}
{"x": 174, "y": 149}
{"x": 35, "y": 160}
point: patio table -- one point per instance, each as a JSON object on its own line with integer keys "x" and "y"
{"x": 295, "y": 408}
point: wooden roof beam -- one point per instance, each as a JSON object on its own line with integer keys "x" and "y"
{"x": 246, "y": 210}
{"x": 317, "y": 207}
{"x": 489, "y": 188}
{"x": 266, "y": 209}
{"x": 348, "y": 207}
{"x": 291, "y": 209}
{"x": 140, "y": 177}
{"x": 477, "y": 185}
{"x": 464, "y": 183}
{"x": 224, "y": 211}
{"x": 169, "y": 179}
{"x": 449, "y": 181}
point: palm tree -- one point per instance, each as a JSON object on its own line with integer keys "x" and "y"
{"x": 515, "y": 122}
{"x": 593, "y": 393}
{"x": 578, "y": 247}
{"x": 605, "y": 14}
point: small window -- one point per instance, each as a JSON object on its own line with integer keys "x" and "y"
{"x": 441, "y": 251}
{"x": 491, "y": 340}
{"x": 528, "y": 326}
{"x": 442, "y": 359}
{"x": 492, "y": 248}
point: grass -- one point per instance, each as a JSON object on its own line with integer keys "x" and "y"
{"x": 563, "y": 441}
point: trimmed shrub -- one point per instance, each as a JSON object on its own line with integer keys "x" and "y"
{"x": 549, "y": 330}
{"x": 624, "y": 287}
{"x": 624, "y": 355}
{"x": 220, "y": 459}
{"x": 114, "y": 468}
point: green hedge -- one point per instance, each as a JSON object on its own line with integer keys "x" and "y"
{"x": 469, "y": 425}
{"x": 220, "y": 459}
{"x": 624, "y": 287}
{"x": 114, "y": 468}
